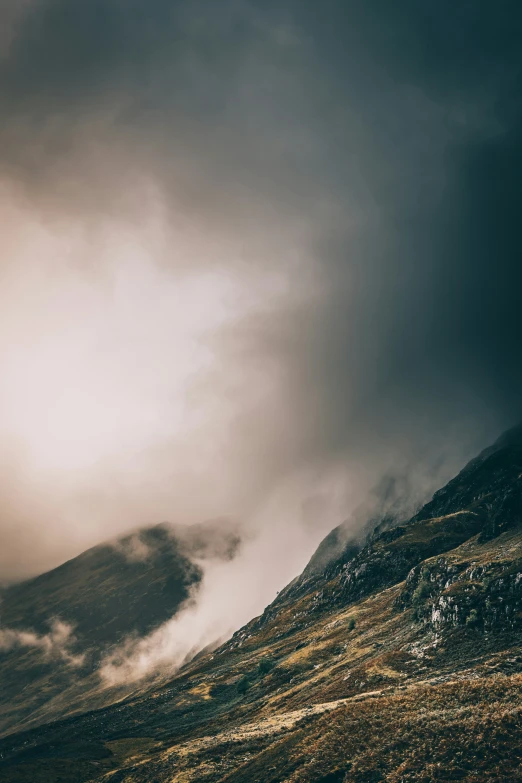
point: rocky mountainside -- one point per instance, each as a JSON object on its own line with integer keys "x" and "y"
{"x": 398, "y": 659}
{"x": 55, "y": 628}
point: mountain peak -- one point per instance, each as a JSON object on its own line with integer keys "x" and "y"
{"x": 509, "y": 438}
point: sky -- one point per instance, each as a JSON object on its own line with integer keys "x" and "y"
{"x": 254, "y": 256}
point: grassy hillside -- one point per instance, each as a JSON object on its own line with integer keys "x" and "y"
{"x": 400, "y": 661}
{"x": 126, "y": 587}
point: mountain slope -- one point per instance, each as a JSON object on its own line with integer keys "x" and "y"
{"x": 399, "y": 661}
{"x": 55, "y": 628}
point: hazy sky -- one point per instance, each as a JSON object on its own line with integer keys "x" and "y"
{"x": 253, "y": 256}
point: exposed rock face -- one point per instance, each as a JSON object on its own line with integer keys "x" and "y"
{"x": 394, "y": 659}
{"x": 486, "y": 595}
{"x": 484, "y": 499}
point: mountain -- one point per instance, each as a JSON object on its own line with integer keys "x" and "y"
{"x": 392, "y": 659}
{"x": 55, "y": 628}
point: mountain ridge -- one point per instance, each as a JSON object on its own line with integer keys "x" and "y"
{"x": 400, "y": 661}
{"x": 56, "y": 627}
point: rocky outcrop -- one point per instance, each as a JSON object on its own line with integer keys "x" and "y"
{"x": 486, "y": 596}
{"x": 485, "y": 499}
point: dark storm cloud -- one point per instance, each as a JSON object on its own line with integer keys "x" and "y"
{"x": 176, "y": 89}
{"x": 438, "y": 274}
{"x": 382, "y": 139}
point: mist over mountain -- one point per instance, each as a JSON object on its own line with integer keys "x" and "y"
{"x": 397, "y": 654}
{"x": 56, "y": 629}
{"x": 260, "y": 310}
